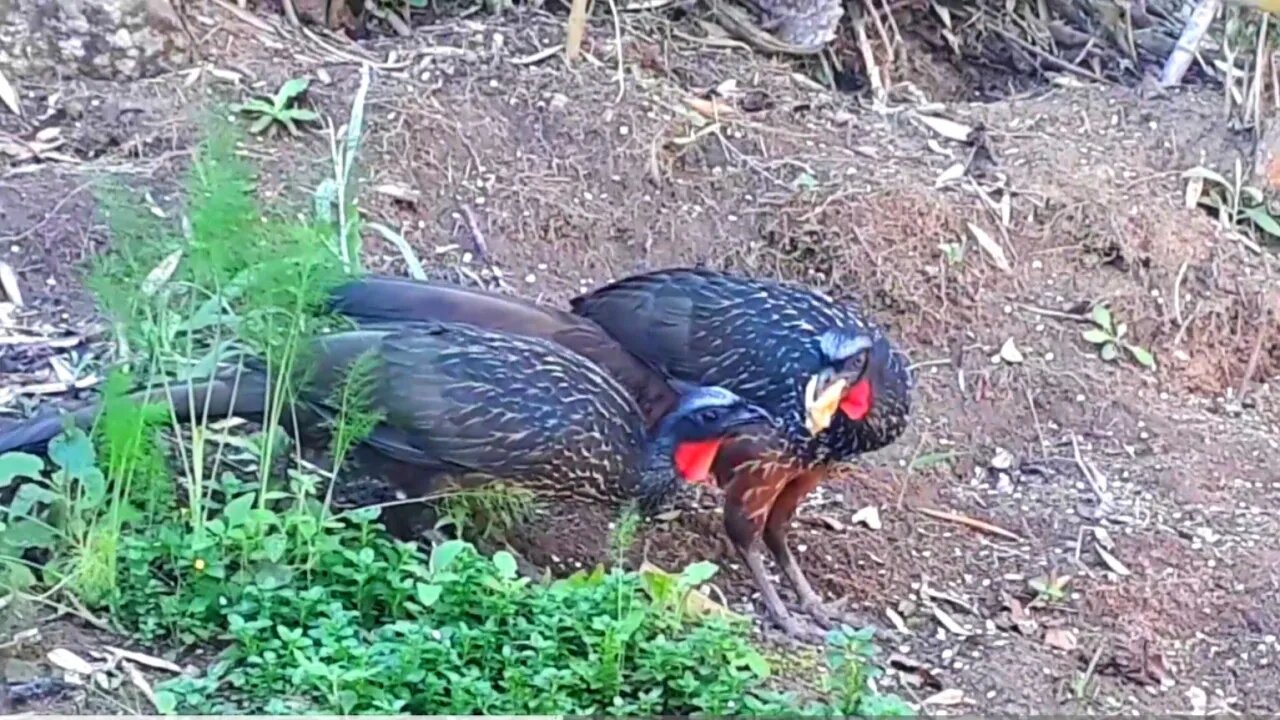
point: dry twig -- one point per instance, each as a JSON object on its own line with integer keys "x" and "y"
{"x": 969, "y": 522}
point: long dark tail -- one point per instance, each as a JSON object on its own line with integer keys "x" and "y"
{"x": 215, "y": 400}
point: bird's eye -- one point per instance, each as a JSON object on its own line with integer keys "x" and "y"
{"x": 706, "y": 416}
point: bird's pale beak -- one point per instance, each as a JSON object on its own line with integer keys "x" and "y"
{"x": 822, "y": 395}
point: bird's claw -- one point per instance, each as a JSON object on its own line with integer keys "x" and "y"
{"x": 796, "y": 632}
{"x": 830, "y": 616}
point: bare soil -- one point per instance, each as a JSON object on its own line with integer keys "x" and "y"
{"x": 545, "y": 180}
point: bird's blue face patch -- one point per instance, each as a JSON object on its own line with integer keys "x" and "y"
{"x": 838, "y": 345}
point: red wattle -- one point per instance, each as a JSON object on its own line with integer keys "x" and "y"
{"x": 693, "y": 459}
{"x": 856, "y": 403}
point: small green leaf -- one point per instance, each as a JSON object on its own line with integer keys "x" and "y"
{"x": 1263, "y": 220}
{"x": 72, "y": 451}
{"x": 261, "y": 124}
{"x": 29, "y": 534}
{"x": 272, "y": 576}
{"x": 1142, "y": 355}
{"x": 19, "y": 465}
{"x": 757, "y": 664}
{"x": 291, "y": 89}
{"x": 1101, "y": 316}
{"x": 237, "y": 511}
{"x": 27, "y": 497}
{"x": 505, "y": 562}
{"x": 1109, "y": 352}
{"x": 15, "y": 576}
{"x": 698, "y": 573}
{"x": 301, "y": 115}
{"x": 1096, "y": 336}
{"x": 274, "y": 546}
{"x": 443, "y": 555}
{"x": 1121, "y": 329}
{"x": 631, "y": 623}
{"x": 94, "y": 485}
{"x": 427, "y": 593}
{"x": 166, "y": 702}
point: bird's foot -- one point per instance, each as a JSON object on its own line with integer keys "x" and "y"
{"x": 830, "y": 616}
{"x": 798, "y": 630}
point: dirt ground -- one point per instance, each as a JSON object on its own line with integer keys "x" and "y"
{"x": 547, "y": 180}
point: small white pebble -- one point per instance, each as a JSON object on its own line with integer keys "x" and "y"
{"x": 531, "y": 278}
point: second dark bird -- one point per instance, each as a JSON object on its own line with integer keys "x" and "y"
{"x": 467, "y": 405}
{"x": 823, "y": 369}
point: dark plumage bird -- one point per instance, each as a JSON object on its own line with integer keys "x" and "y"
{"x": 384, "y": 299}
{"x": 825, "y": 372}
{"x": 469, "y": 405}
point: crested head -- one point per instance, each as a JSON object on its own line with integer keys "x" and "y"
{"x": 685, "y": 443}
{"x": 861, "y": 390}
{"x": 890, "y": 377}
{"x": 707, "y": 412}
{"x": 839, "y": 345}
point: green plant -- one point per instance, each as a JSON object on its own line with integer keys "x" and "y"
{"x": 953, "y": 252}
{"x": 278, "y": 110}
{"x": 1237, "y": 205}
{"x": 1110, "y": 338}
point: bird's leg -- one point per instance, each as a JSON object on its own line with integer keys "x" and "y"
{"x": 747, "y": 502}
{"x": 775, "y": 538}
{"x": 773, "y": 604}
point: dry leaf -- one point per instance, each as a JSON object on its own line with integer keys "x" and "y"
{"x": 827, "y": 522}
{"x": 949, "y": 129}
{"x": 711, "y": 109}
{"x": 950, "y": 175}
{"x": 9, "y": 288}
{"x": 140, "y": 681}
{"x": 991, "y": 247}
{"x": 1113, "y": 563}
{"x": 1061, "y": 638}
{"x": 1002, "y": 459}
{"x": 950, "y": 696}
{"x": 62, "y": 369}
{"x": 949, "y": 622}
{"x": 727, "y": 88}
{"x": 161, "y": 273}
{"x": 1195, "y": 188}
{"x": 1010, "y": 353}
{"x": 70, "y": 662}
{"x": 399, "y": 192}
{"x": 9, "y": 96}
{"x": 228, "y": 75}
{"x": 1020, "y": 617}
{"x": 898, "y": 622}
{"x": 869, "y": 516}
{"x": 143, "y": 659}
{"x": 1199, "y": 700}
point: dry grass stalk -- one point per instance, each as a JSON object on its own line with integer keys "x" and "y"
{"x": 576, "y": 29}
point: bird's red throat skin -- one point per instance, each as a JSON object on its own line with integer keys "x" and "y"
{"x": 856, "y": 403}
{"x": 693, "y": 459}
